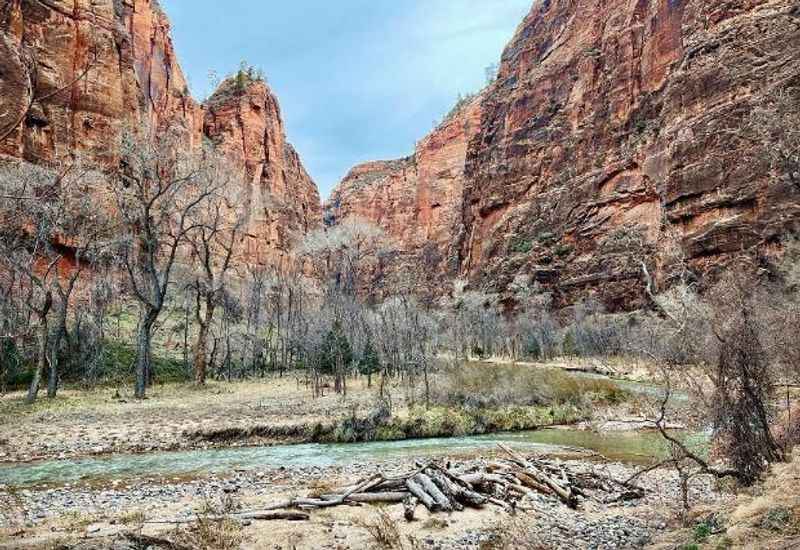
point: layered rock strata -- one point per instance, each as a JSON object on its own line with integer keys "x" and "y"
{"x": 75, "y": 73}
{"x": 609, "y": 124}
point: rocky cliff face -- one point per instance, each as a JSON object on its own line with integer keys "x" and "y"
{"x": 608, "y": 123}
{"x": 417, "y": 201}
{"x": 88, "y": 68}
{"x": 245, "y": 122}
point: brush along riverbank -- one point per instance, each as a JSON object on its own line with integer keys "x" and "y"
{"x": 418, "y": 422}
{"x": 470, "y": 399}
{"x": 107, "y": 420}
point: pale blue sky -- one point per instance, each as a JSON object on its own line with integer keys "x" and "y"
{"x": 357, "y": 80}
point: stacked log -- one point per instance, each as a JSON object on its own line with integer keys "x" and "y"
{"x": 503, "y": 483}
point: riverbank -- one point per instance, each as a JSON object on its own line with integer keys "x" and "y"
{"x": 108, "y": 421}
{"x": 72, "y": 516}
{"x": 218, "y": 463}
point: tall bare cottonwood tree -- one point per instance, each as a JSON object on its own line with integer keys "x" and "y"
{"x": 217, "y": 223}
{"x": 347, "y": 252}
{"x": 158, "y": 189}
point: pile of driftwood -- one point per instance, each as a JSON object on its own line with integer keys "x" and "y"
{"x": 503, "y": 482}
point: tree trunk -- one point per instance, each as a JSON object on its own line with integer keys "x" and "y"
{"x": 41, "y": 360}
{"x": 52, "y": 380}
{"x": 200, "y": 362}
{"x": 186, "y": 336}
{"x": 201, "y": 344}
{"x": 143, "y": 353}
{"x": 427, "y": 387}
{"x": 58, "y": 336}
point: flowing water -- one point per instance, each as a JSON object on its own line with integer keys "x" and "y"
{"x": 634, "y": 447}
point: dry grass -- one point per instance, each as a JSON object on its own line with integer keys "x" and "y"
{"x": 77, "y": 522}
{"x": 383, "y": 531}
{"x": 763, "y": 517}
{"x": 483, "y": 385}
{"x": 209, "y": 532}
{"x": 771, "y": 517}
{"x": 320, "y": 487}
{"x": 385, "y": 534}
{"x": 132, "y": 519}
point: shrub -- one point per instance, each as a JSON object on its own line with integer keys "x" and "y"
{"x": 14, "y": 369}
{"x": 369, "y": 363}
{"x": 568, "y": 345}
{"x": 776, "y": 519}
{"x": 532, "y": 350}
{"x": 564, "y": 250}
{"x": 383, "y": 531}
{"x": 520, "y": 245}
{"x": 476, "y": 385}
{"x": 336, "y": 350}
{"x": 702, "y": 531}
{"x": 208, "y": 531}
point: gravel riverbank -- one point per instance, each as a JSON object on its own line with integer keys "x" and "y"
{"x": 101, "y": 510}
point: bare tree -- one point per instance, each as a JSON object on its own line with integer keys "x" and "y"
{"x": 49, "y": 231}
{"x": 216, "y": 223}
{"x": 157, "y": 190}
{"x": 743, "y": 378}
{"x": 346, "y": 252}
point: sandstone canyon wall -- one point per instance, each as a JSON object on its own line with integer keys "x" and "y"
{"x": 604, "y": 116}
{"x": 89, "y": 68}
{"x": 416, "y": 200}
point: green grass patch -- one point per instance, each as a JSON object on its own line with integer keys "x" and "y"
{"x": 520, "y": 245}
{"x": 422, "y": 423}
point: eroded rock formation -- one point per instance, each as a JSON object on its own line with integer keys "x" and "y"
{"x": 245, "y": 122}
{"x": 606, "y": 118}
{"x": 74, "y": 73}
{"x": 417, "y": 200}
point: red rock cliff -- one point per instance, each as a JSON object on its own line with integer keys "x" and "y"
{"x": 283, "y": 201}
{"x": 88, "y": 68}
{"x": 416, "y": 200}
{"x": 608, "y": 115}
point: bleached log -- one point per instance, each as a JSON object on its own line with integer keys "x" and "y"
{"x": 386, "y": 496}
{"x": 528, "y": 481}
{"x": 459, "y": 493}
{"x": 447, "y": 487}
{"x": 563, "y": 493}
{"x": 260, "y": 515}
{"x": 442, "y": 502}
{"x": 475, "y": 478}
{"x": 417, "y": 490}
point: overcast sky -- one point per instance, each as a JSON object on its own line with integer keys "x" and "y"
{"x": 357, "y": 80}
